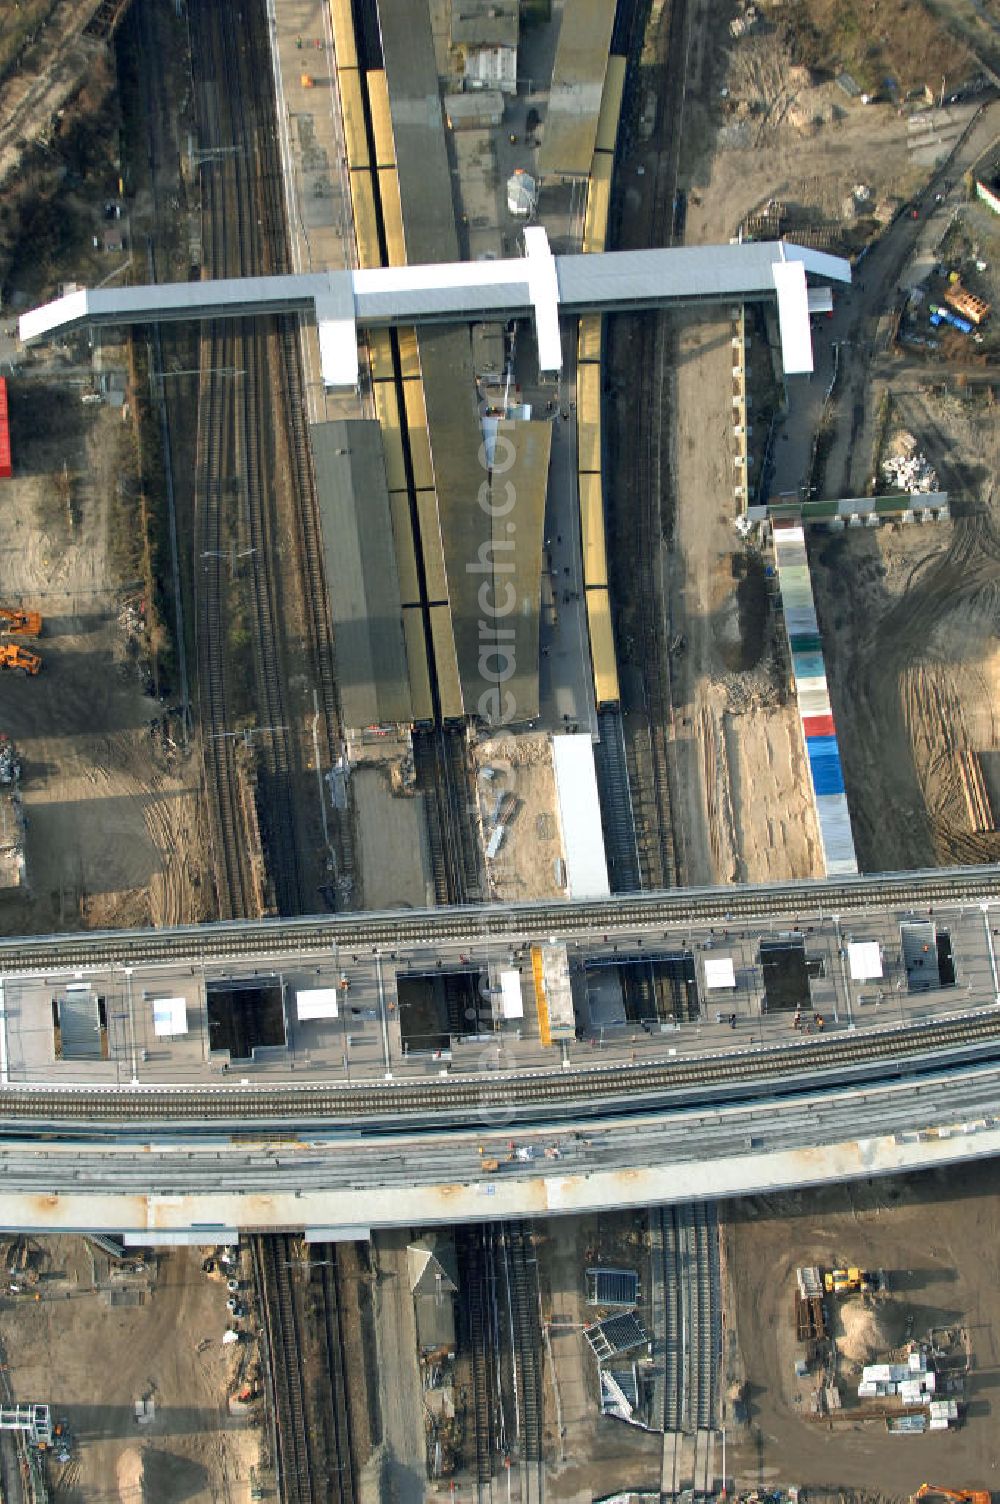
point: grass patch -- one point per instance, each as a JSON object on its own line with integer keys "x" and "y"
{"x": 20, "y": 22}
{"x": 140, "y": 505}
{"x": 895, "y": 39}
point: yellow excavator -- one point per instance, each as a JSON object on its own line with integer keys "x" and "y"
{"x": 13, "y": 656}
{"x": 17, "y": 623}
{"x": 952, "y": 1495}
{"x": 849, "y": 1281}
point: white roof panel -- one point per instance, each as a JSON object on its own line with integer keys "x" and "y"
{"x": 169, "y": 1016}
{"x": 316, "y": 1002}
{"x": 338, "y": 352}
{"x": 544, "y": 285}
{"x": 511, "y": 1000}
{"x": 793, "y": 317}
{"x": 865, "y": 960}
{"x": 719, "y": 972}
{"x": 580, "y": 817}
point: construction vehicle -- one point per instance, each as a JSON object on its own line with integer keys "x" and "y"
{"x": 14, "y": 657}
{"x": 849, "y": 1282}
{"x": 18, "y": 623}
{"x": 952, "y": 1495}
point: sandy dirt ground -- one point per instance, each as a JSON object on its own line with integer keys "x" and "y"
{"x": 588, "y": 1455}
{"x": 756, "y": 128}
{"x": 525, "y": 865}
{"x": 746, "y": 813}
{"x": 114, "y": 832}
{"x": 91, "y": 1362}
{"x": 936, "y": 1236}
{"x": 909, "y": 618}
{"x": 778, "y": 136}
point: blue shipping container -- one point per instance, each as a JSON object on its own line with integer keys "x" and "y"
{"x": 827, "y": 775}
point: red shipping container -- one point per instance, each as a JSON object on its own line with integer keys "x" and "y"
{"x": 818, "y": 725}
{"x": 6, "y": 469}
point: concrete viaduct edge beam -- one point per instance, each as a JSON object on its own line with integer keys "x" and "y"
{"x": 490, "y": 1198}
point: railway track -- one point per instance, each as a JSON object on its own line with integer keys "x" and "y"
{"x": 617, "y": 818}
{"x": 301, "y": 1323}
{"x": 477, "y": 1284}
{"x": 342, "y": 1491}
{"x": 705, "y": 1322}
{"x": 673, "y": 1279}
{"x": 687, "y": 1243}
{"x": 530, "y": 1096}
{"x": 214, "y": 454}
{"x": 272, "y": 1277}
{"x": 521, "y": 1281}
{"x": 440, "y": 759}
{"x": 797, "y": 902}
{"x": 244, "y": 233}
{"x": 640, "y": 513}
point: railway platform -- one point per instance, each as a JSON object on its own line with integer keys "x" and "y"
{"x": 314, "y": 167}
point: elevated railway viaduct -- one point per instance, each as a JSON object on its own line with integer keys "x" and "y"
{"x": 183, "y": 1158}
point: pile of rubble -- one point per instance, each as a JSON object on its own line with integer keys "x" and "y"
{"x": 910, "y": 473}
{"x": 132, "y": 620}
{"x": 10, "y": 766}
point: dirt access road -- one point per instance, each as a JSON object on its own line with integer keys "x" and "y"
{"x": 936, "y": 1235}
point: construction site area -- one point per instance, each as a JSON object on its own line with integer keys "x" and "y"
{"x": 560, "y": 1357}
{"x": 680, "y": 593}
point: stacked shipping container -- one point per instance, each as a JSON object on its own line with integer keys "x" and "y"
{"x": 814, "y": 700}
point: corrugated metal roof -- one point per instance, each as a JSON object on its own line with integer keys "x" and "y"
{"x": 434, "y": 292}
{"x": 836, "y": 834}
{"x": 611, "y": 103}
{"x": 595, "y": 561}
{"x": 418, "y": 131}
{"x": 595, "y": 223}
{"x": 378, "y": 103}
{"x": 519, "y": 483}
{"x": 577, "y": 87}
{"x": 361, "y": 571}
{"x": 484, "y": 23}
{"x": 588, "y": 417}
{"x": 602, "y": 646}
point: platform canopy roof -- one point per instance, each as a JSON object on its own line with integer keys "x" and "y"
{"x": 537, "y": 284}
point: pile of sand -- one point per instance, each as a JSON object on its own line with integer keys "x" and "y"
{"x": 130, "y": 1470}
{"x": 867, "y": 1329}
